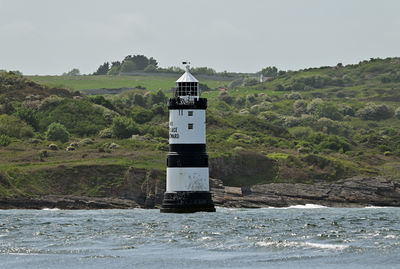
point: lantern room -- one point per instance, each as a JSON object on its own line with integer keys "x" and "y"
{"x": 187, "y": 86}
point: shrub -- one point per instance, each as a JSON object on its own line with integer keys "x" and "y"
{"x": 290, "y": 121}
{"x": 304, "y": 120}
{"x": 312, "y": 106}
{"x": 293, "y": 96}
{"x": 251, "y": 99}
{"x": 5, "y": 140}
{"x": 346, "y": 110}
{"x": 156, "y": 98}
{"x": 80, "y": 117}
{"x": 50, "y": 102}
{"x": 224, "y": 96}
{"x": 239, "y": 138}
{"x": 138, "y": 99}
{"x": 106, "y": 133}
{"x": 161, "y": 132}
{"x": 142, "y": 115}
{"x": 269, "y": 116}
{"x": 57, "y": 132}
{"x": 100, "y": 100}
{"x": 28, "y": 115}
{"x": 14, "y": 127}
{"x": 327, "y": 110}
{"x": 328, "y": 142}
{"x": 123, "y": 127}
{"x": 372, "y": 111}
{"x": 300, "y": 131}
{"x": 299, "y": 107}
{"x": 250, "y": 81}
{"x": 162, "y": 147}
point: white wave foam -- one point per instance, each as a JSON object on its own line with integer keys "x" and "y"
{"x": 50, "y": 209}
{"x": 308, "y": 206}
{"x": 378, "y": 206}
{"x": 301, "y": 244}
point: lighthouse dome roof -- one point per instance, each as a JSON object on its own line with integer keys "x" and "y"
{"x": 187, "y": 77}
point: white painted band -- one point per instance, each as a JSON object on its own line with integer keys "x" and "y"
{"x": 187, "y": 126}
{"x": 187, "y": 179}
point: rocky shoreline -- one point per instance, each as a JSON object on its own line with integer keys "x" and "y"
{"x": 352, "y": 192}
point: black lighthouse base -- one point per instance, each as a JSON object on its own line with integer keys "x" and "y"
{"x": 187, "y": 202}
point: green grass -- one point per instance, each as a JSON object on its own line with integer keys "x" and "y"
{"x": 109, "y": 82}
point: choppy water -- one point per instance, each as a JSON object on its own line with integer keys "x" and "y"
{"x": 297, "y": 237}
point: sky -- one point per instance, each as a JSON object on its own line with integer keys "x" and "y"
{"x": 53, "y": 36}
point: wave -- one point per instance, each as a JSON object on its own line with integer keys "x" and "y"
{"x": 283, "y": 244}
{"x": 51, "y": 209}
{"x": 372, "y": 206}
{"x": 308, "y": 206}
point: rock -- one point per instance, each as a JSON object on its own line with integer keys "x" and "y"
{"x": 113, "y": 146}
{"x": 67, "y": 202}
{"x": 70, "y": 148}
{"x": 303, "y": 150}
{"x": 86, "y": 141}
{"x": 34, "y": 141}
{"x": 139, "y": 138}
{"x": 351, "y": 192}
{"x": 53, "y": 147}
{"x": 74, "y": 144}
{"x": 145, "y": 188}
{"x": 244, "y": 112}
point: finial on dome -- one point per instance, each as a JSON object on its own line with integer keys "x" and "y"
{"x": 187, "y": 65}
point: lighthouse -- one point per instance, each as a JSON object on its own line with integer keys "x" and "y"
{"x": 188, "y": 188}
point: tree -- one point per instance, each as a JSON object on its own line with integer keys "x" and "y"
{"x": 150, "y": 68}
{"x": 156, "y": 98}
{"x": 57, "y": 132}
{"x": 153, "y": 61}
{"x": 140, "y": 61}
{"x": 203, "y": 71}
{"x": 73, "y": 72}
{"x": 128, "y": 66}
{"x": 270, "y": 71}
{"x": 103, "y": 69}
{"x": 115, "y": 67}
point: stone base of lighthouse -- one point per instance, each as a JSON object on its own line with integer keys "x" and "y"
{"x": 187, "y": 202}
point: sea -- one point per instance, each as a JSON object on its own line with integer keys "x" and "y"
{"x": 308, "y": 236}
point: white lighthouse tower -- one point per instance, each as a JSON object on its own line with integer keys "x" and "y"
{"x": 188, "y": 187}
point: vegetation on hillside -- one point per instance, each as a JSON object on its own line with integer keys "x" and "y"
{"x": 321, "y": 123}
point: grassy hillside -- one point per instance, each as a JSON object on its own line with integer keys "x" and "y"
{"x": 316, "y": 124}
{"x": 150, "y": 82}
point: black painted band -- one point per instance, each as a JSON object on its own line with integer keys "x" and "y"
{"x": 187, "y": 147}
{"x": 174, "y": 103}
{"x": 197, "y": 159}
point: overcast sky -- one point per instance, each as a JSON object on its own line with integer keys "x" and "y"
{"x": 54, "y": 36}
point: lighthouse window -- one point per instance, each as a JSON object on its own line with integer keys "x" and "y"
{"x": 190, "y": 126}
{"x": 190, "y": 113}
